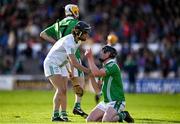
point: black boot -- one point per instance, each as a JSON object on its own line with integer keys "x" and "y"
{"x": 57, "y": 119}
{"x": 79, "y": 111}
{"x": 128, "y": 118}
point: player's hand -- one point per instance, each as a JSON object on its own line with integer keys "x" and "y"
{"x": 90, "y": 74}
{"x": 78, "y": 90}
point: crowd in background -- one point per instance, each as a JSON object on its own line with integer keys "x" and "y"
{"x": 148, "y": 32}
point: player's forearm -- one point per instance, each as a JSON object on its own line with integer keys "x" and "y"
{"x": 94, "y": 84}
{"x": 81, "y": 67}
{"x": 46, "y": 37}
{"x": 94, "y": 69}
{"x": 76, "y": 64}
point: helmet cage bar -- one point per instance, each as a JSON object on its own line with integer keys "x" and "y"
{"x": 72, "y": 14}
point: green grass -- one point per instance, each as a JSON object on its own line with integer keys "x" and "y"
{"x": 36, "y": 107}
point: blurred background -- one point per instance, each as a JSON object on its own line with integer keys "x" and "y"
{"x": 148, "y": 44}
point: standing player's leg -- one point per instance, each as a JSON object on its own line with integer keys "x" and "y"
{"x": 58, "y": 77}
{"x": 79, "y": 78}
{"x": 77, "y": 105}
{"x": 60, "y": 98}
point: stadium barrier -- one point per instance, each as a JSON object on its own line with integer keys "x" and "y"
{"x": 151, "y": 85}
{"x": 144, "y": 85}
{"x": 6, "y": 82}
{"x": 32, "y": 82}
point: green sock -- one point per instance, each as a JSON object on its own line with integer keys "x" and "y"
{"x": 122, "y": 116}
{"x": 77, "y": 105}
{"x": 56, "y": 113}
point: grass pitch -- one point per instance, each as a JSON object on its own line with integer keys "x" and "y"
{"x": 28, "y": 107}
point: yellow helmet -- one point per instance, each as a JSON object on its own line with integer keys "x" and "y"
{"x": 112, "y": 39}
{"x": 72, "y": 10}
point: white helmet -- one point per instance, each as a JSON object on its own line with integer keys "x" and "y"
{"x": 72, "y": 10}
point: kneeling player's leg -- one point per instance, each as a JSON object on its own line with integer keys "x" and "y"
{"x": 114, "y": 112}
{"x": 111, "y": 115}
{"x": 95, "y": 115}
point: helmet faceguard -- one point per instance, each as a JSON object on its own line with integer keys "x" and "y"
{"x": 111, "y": 50}
{"x": 83, "y": 27}
{"x": 80, "y": 28}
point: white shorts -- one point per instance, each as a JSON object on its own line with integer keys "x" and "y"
{"x": 104, "y": 106}
{"x": 75, "y": 70}
{"x": 51, "y": 68}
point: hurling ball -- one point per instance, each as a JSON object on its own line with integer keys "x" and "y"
{"x": 112, "y": 39}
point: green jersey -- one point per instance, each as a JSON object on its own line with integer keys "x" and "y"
{"x": 112, "y": 88}
{"x": 61, "y": 28}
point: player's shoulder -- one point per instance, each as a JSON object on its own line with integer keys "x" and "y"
{"x": 68, "y": 20}
{"x": 111, "y": 63}
{"x": 68, "y": 39}
{"x": 70, "y": 36}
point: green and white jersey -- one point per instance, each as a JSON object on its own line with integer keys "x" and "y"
{"x": 112, "y": 88}
{"x": 61, "y": 28}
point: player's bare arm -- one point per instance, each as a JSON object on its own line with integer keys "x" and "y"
{"x": 94, "y": 84}
{"x": 76, "y": 64}
{"x": 46, "y": 37}
{"x": 94, "y": 69}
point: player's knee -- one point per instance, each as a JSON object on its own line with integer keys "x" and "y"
{"x": 60, "y": 92}
{"x": 63, "y": 91}
{"x": 57, "y": 95}
{"x": 89, "y": 119}
{"x": 105, "y": 119}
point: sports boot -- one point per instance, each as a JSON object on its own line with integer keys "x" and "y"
{"x": 64, "y": 116}
{"x": 57, "y": 119}
{"x": 79, "y": 111}
{"x": 128, "y": 118}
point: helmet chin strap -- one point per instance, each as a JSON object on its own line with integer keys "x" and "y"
{"x": 102, "y": 60}
{"x": 80, "y": 34}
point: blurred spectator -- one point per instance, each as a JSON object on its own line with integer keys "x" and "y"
{"x": 130, "y": 67}
{"x": 7, "y": 63}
